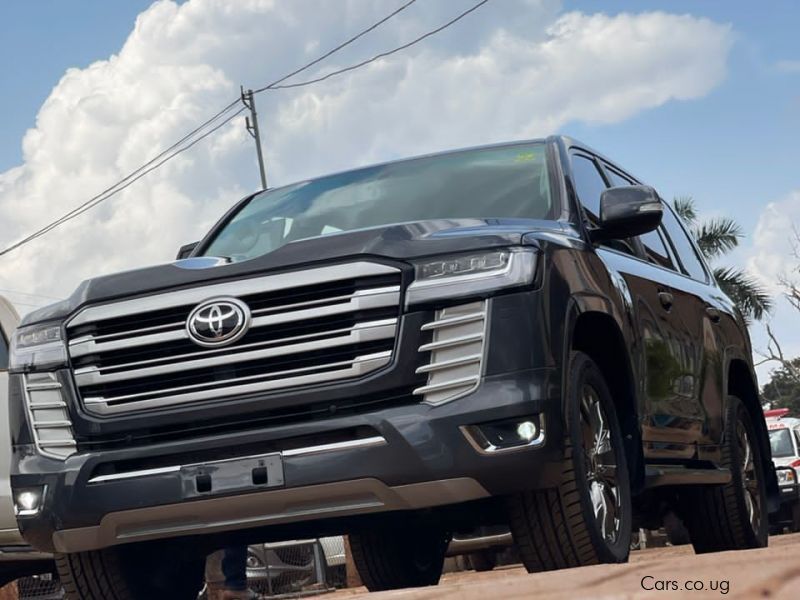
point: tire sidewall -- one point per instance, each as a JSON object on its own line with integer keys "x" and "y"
{"x": 583, "y": 370}
{"x": 739, "y": 414}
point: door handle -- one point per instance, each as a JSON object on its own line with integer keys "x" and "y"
{"x": 666, "y": 300}
{"x": 713, "y": 314}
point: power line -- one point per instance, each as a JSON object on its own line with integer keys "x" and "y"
{"x": 143, "y": 170}
{"x": 176, "y": 148}
{"x": 359, "y": 35}
{"x": 377, "y": 56}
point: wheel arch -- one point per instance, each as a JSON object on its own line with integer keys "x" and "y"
{"x": 741, "y": 382}
{"x": 598, "y": 334}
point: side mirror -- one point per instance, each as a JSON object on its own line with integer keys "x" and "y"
{"x": 186, "y": 250}
{"x": 627, "y": 212}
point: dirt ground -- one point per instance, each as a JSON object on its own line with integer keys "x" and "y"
{"x": 772, "y": 572}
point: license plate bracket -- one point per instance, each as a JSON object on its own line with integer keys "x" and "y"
{"x": 235, "y": 474}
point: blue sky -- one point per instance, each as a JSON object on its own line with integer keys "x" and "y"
{"x": 746, "y": 127}
{"x": 719, "y": 121}
{"x": 39, "y": 41}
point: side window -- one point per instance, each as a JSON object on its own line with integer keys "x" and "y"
{"x": 3, "y": 352}
{"x": 617, "y": 180}
{"x": 656, "y": 249}
{"x": 683, "y": 246}
{"x": 589, "y": 183}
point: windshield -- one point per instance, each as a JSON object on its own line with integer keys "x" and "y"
{"x": 781, "y": 442}
{"x": 500, "y": 182}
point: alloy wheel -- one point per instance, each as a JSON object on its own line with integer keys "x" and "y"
{"x": 601, "y": 465}
{"x": 752, "y": 497}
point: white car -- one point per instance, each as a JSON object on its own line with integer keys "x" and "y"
{"x": 17, "y": 559}
{"x": 784, "y": 439}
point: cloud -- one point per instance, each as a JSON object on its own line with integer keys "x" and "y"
{"x": 772, "y": 256}
{"x": 514, "y": 69}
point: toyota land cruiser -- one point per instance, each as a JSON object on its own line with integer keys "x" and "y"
{"x": 519, "y": 334}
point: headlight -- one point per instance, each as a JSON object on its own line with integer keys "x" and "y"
{"x": 37, "y": 347}
{"x": 471, "y": 274}
{"x": 786, "y": 476}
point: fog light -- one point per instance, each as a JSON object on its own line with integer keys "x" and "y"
{"x": 507, "y": 435}
{"x": 28, "y": 501}
{"x": 527, "y": 430}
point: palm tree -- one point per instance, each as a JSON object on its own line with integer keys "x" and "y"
{"x": 715, "y": 238}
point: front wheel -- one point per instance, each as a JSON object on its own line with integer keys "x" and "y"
{"x": 586, "y": 519}
{"x": 399, "y": 555}
{"x": 732, "y": 516}
{"x": 129, "y": 573}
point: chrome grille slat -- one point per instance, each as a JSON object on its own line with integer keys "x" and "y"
{"x": 355, "y": 336}
{"x": 238, "y": 288}
{"x": 358, "y": 367}
{"x": 202, "y": 353}
{"x": 306, "y": 327}
{"x": 354, "y": 304}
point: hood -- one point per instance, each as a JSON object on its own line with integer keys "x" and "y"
{"x": 399, "y": 242}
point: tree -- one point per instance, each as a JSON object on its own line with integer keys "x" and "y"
{"x": 789, "y": 368}
{"x": 783, "y": 390}
{"x": 715, "y": 238}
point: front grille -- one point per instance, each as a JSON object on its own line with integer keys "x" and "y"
{"x": 307, "y": 327}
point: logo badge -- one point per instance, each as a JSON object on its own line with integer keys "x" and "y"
{"x": 218, "y": 322}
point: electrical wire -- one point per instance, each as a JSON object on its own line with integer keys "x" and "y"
{"x": 377, "y": 56}
{"x": 359, "y": 35}
{"x": 177, "y": 148}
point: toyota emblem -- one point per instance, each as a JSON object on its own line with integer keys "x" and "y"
{"x": 218, "y": 322}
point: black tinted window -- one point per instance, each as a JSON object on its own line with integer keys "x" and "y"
{"x": 683, "y": 246}
{"x": 655, "y": 249}
{"x": 589, "y": 184}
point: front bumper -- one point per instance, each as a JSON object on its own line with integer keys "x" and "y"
{"x": 425, "y": 461}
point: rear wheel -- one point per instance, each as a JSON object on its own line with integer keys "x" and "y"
{"x": 587, "y": 518}
{"x": 732, "y": 516}
{"x": 129, "y": 573}
{"x": 399, "y": 555}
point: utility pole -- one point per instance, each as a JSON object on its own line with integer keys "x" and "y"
{"x": 248, "y": 99}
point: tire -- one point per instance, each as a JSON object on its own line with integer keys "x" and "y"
{"x": 795, "y": 527}
{"x": 558, "y": 528}
{"x": 129, "y": 573}
{"x": 483, "y": 561}
{"x": 676, "y": 531}
{"x": 399, "y": 556}
{"x": 718, "y": 516}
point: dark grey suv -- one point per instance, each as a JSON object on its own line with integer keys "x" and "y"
{"x": 520, "y": 334}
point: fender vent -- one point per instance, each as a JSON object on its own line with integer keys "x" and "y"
{"x": 456, "y": 352}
